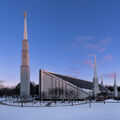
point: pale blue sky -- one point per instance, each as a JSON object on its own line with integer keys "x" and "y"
{"x": 61, "y": 34}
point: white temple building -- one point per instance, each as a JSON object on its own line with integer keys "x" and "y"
{"x": 50, "y": 81}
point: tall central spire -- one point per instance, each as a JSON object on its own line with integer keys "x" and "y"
{"x": 25, "y": 27}
{"x": 25, "y": 69}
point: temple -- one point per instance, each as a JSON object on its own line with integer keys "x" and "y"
{"x": 49, "y": 81}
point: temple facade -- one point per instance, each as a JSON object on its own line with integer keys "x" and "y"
{"x": 49, "y": 81}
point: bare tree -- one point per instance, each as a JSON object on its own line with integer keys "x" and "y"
{"x": 43, "y": 96}
{"x": 55, "y": 94}
{"x": 1, "y": 84}
{"x": 71, "y": 95}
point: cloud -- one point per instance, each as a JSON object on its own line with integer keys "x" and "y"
{"x": 106, "y": 41}
{"x": 88, "y": 43}
{"x": 110, "y": 75}
{"x": 102, "y": 49}
{"x": 75, "y": 71}
{"x": 83, "y": 38}
{"x": 88, "y": 63}
{"x": 108, "y": 58}
{"x": 90, "y": 46}
{"x": 80, "y": 40}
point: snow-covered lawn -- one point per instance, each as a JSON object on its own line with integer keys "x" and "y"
{"x": 43, "y": 104}
{"x": 98, "y": 111}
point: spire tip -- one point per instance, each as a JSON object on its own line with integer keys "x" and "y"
{"x": 25, "y": 13}
{"x": 25, "y": 26}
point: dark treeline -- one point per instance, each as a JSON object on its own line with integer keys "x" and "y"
{"x": 34, "y": 91}
{"x": 10, "y": 91}
{"x": 111, "y": 87}
{"x": 15, "y": 91}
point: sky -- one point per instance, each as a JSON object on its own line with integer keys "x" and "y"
{"x": 63, "y": 36}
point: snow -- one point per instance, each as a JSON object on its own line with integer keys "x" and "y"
{"x": 98, "y": 111}
{"x": 111, "y": 100}
{"x": 38, "y": 104}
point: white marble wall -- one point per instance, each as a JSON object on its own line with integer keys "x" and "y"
{"x": 25, "y": 82}
{"x": 48, "y": 81}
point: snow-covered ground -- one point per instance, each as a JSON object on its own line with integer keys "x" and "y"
{"x": 98, "y": 111}
{"x": 43, "y": 104}
{"x": 40, "y": 104}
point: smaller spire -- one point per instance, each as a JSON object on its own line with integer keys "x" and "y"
{"x": 115, "y": 86}
{"x": 95, "y": 68}
{"x": 115, "y": 78}
{"x": 102, "y": 80}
